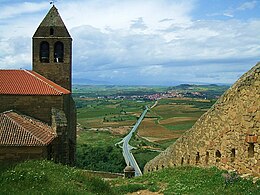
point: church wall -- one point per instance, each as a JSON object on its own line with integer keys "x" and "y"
{"x": 36, "y": 106}
{"x": 12, "y": 154}
{"x": 70, "y": 112}
{"x": 227, "y": 136}
{"x": 40, "y": 107}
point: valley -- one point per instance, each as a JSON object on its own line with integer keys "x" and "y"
{"x": 107, "y": 113}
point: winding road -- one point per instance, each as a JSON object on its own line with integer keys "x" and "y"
{"x": 129, "y": 158}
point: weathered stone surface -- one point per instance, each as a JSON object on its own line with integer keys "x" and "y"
{"x": 227, "y": 136}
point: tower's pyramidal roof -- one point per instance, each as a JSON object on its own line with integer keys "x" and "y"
{"x": 52, "y": 20}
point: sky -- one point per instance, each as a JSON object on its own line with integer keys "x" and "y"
{"x": 142, "y": 42}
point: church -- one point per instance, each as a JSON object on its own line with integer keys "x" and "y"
{"x": 37, "y": 112}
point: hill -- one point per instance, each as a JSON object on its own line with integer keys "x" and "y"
{"x": 45, "y": 177}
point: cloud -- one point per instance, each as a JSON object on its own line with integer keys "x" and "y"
{"x": 247, "y": 5}
{"x": 166, "y": 20}
{"x": 120, "y": 14}
{"x": 138, "y": 24}
{"x": 140, "y": 42}
{"x": 118, "y": 55}
{"x": 236, "y": 10}
{"x": 14, "y": 53}
{"x": 15, "y": 10}
{"x": 228, "y": 14}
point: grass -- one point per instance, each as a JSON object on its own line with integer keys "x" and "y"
{"x": 144, "y": 156}
{"x": 97, "y": 138}
{"x": 166, "y": 143}
{"x": 188, "y": 180}
{"x": 180, "y": 126}
{"x": 96, "y": 151}
{"x": 46, "y": 177}
{"x": 100, "y": 113}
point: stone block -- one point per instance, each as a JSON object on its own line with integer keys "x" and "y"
{"x": 251, "y": 139}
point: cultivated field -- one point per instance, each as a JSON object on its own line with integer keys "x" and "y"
{"x": 171, "y": 118}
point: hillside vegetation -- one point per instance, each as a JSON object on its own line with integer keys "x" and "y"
{"x": 45, "y": 177}
{"x": 188, "y": 180}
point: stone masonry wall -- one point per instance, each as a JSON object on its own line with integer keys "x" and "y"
{"x": 59, "y": 73}
{"x": 13, "y": 154}
{"x": 227, "y": 136}
{"x": 38, "y": 107}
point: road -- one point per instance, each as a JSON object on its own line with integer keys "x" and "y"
{"x": 129, "y": 158}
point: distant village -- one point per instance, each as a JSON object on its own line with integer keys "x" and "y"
{"x": 157, "y": 96}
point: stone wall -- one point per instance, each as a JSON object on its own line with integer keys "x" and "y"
{"x": 13, "y": 154}
{"x": 36, "y": 106}
{"x": 64, "y": 146}
{"x": 59, "y": 73}
{"x": 40, "y": 107}
{"x": 227, "y": 136}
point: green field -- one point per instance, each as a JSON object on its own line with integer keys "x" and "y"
{"x": 180, "y": 126}
{"x": 97, "y": 138}
{"x": 98, "y": 112}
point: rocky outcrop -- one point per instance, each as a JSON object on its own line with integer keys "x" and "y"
{"x": 227, "y": 136}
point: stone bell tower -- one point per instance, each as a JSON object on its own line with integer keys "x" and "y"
{"x": 52, "y": 48}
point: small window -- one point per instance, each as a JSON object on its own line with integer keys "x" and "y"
{"x": 233, "y": 154}
{"x": 207, "y": 158}
{"x": 58, "y": 52}
{"x": 182, "y": 159}
{"x": 51, "y": 31}
{"x": 197, "y": 157}
{"x": 44, "y": 52}
{"x": 188, "y": 160}
{"x": 251, "y": 150}
{"x": 218, "y": 156}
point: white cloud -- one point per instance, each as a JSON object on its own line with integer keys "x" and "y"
{"x": 138, "y": 24}
{"x": 142, "y": 42}
{"x": 15, "y": 53}
{"x": 247, "y": 5}
{"x": 152, "y": 55}
{"x": 15, "y": 10}
{"x": 234, "y": 11}
{"x": 119, "y": 14}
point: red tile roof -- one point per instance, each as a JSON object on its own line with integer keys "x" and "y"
{"x": 20, "y": 130}
{"x": 25, "y": 82}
